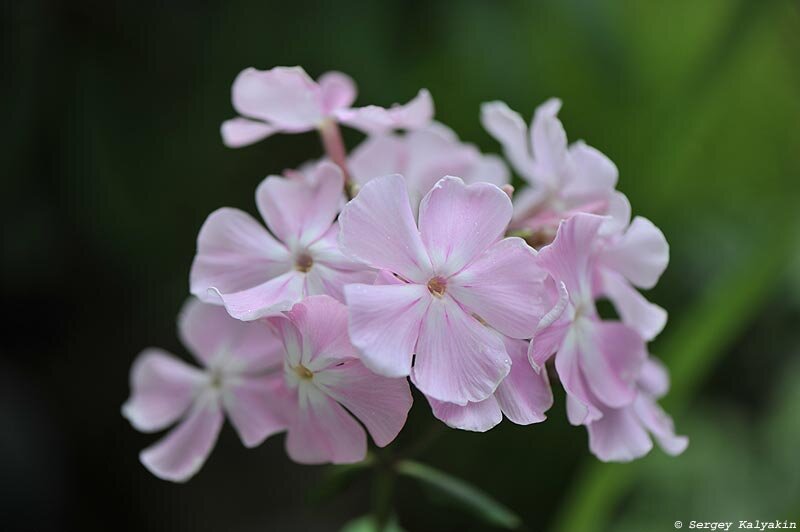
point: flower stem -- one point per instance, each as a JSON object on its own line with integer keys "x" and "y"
{"x": 383, "y": 492}
{"x": 334, "y": 148}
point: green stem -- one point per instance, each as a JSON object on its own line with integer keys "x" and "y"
{"x": 383, "y": 493}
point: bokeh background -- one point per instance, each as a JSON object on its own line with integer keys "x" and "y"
{"x": 112, "y": 160}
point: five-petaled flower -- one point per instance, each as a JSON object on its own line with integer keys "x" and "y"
{"x": 255, "y": 274}
{"x": 457, "y": 273}
{"x": 238, "y": 362}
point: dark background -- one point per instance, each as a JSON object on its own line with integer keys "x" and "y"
{"x": 112, "y": 160}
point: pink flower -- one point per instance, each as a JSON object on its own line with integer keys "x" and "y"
{"x": 244, "y": 267}
{"x": 237, "y": 360}
{"x": 423, "y": 156}
{"x": 456, "y": 273}
{"x": 564, "y": 179}
{"x": 287, "y": 100}
{"x": 322, "y": 376}
{"x": 635, "y": 256}
{"x": 523, "y": 396}
{"x": 621, "y": 435}
{"x": 597, "y": 361}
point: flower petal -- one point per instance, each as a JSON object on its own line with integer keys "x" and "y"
{"x": 511, "y": 132}
{"x": 505, "y": 287}
{"x": 549, "y": 142}
{"x": 487, "y": 169}
{"x": 375, "y": 120}
{"x": 384, "y": 324}
{"x": 338, "y": 90}
{"x": 635, "y": 311}
{"x": 653, "y": 378}
{"x": 208, "y": 331}
{"x": 162, "y": 389}
{"x": 239, "y": 132}
{"x": 611, "y": 356}
{"x": 458, "y": 359}
{"x": 267, "y": 299}
{"x": 569, "y": 258}
{"x": 618, "y": 436}
{"x": 377, "y": 156}
{"x": 182, "y": 452}
{"x": 297, "y": 211}
{"x": 258, "y": 407}
{"x": 581, "y": 404}
{"x": 592, "y": 175}
{"x": 660, "y": 425}
{"x": 641, "y": 254}
{"x": 322, "y": 324}
{"x": 322, "y": 431}
{"x": 283, "y": 96}
{"x": 234, "y": 252}
{"x": 475, "y": 417}
{"x": 524, "y": 395}
{"x": 545, "y": 343}
{"x": 458, "y": 222}
{"x": 380, "y": 403}
{"x": 378, "y": 229}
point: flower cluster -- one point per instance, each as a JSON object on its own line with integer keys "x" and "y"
{"x": 410, "y": 259}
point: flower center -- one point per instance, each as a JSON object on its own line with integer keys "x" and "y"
{"x": 437, "y": 286}
{"x": 303, "y": 262}
{"x": 303, "y": 372}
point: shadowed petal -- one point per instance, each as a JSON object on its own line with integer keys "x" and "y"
{"x": 524, "y": 395}
{"x": 475, "y": 417}
{"x": 635, "y": 311}
{"x": 338, "y": 91}
{"x": 268, "y": 299}
{"x": 162, "y": 389}
{"x": 618, "y": 436}
{"x": 258, "y": 407}
{"x": 239, "y": 132}
{"x": 184, "y": 450}
{"x": 511, "y": 132}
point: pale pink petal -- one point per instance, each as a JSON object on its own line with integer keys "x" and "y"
{"x": 611, "y": 356}
{"x": 322, "y": 431}
{"x": 182, "y": 452}
{"x": 378, "y": 229}
{"x": 475, "y": 417}
{"x": 641, "y": 254}
{"x": 377, "y": 156}
{"x": 375, "y": 120}
{"x": 380, "y": 403}
{"x": 635, "y": 311}
{"x": 267, "y": 299}
{"x": 458, "y": 359}
{"x": 239, "y": 132}
{"x": 299, "y": 212}
{"x": 234, "y": 252}
{"x": 511, "y": 132}
{"x": 322, "y": 324}
{"x": 592, "y": 175}
{"x": 458, "y": 222}
{"x": 545, "y": 343}
{"x": 618, "y": 436}
{"x": 581, "y": 404}
{"x": 618, "y": 212}
{"x": 384, "y": 324}
{"x": 505, "y": 287}
{"x": 208, "y": 331}
{"x": 162, "y": 389}
{"x": 524, "y": 395}
{"x": 568, "y": 258}
{"x": 487, "y": 169}
{"x": 258, "y": 407}
{"x": 660, "y": 425}
{"x": 527, "y": 203}
{"x": 549, "y": 142}
{"x": 338, "y": 91}
{"x": 653, "y": 378}
{"x": 283, "y": 96}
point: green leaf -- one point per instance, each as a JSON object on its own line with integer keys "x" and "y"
{"x": 336, "y": 479}
{"x": 471, "y": 497}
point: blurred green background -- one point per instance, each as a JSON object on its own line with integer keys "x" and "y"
{"x": 112, "y": 160}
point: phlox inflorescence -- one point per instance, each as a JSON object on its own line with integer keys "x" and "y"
{"x": 409, "y": 260}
